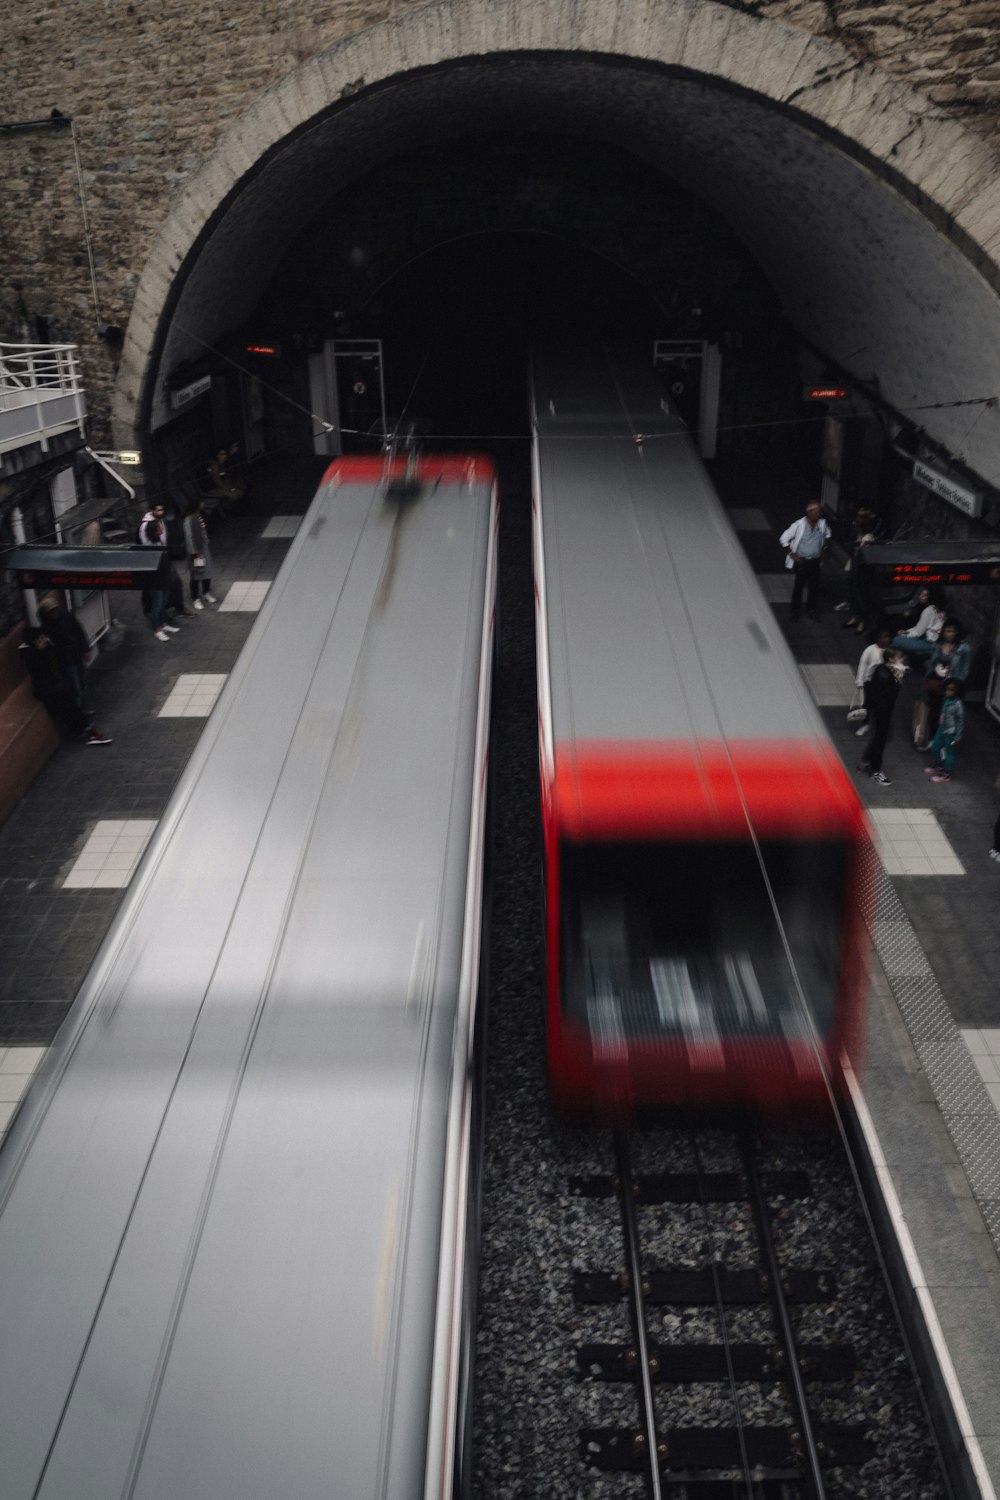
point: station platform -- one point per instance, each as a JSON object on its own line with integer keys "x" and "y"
{"x": 929, "y": 1097}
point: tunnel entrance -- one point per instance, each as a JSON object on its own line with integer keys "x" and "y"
{"x": 457, "y": 324}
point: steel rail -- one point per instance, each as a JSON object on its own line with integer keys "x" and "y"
{"x": 813, "y": 1476}
{"x": 633, "y": 1266}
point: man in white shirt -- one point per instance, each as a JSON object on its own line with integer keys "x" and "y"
{"x": 805, "y": 541}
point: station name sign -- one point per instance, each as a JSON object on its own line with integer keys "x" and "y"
{"x": 967, "y": 501}
{"x": 190, "y": 392}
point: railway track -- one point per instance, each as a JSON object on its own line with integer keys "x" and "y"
{"x": 560, "y": 1389}
{"x": 764, "y": 1363}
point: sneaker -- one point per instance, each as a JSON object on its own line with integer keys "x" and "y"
{"x": 940, "y": 776}
{"x": 161, "y": 635}
{"x": 841, "y": 606}
{"x": 881, "y": 778}
{"x": 95, "y": 737}
{"x": 862, "y": 731}
{"x": 210, "y": 599}
{"x": 172, "y": 629}
{"x": 995, "y": 854}
{"x": 197, "y": 604}
{"x": 930, "y": 770}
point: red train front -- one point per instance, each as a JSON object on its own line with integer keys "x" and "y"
{"x": 690, "y": 962}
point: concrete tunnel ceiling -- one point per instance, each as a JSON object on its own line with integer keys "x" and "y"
{"x": 859, "y": 270}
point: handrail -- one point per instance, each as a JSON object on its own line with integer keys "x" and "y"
{"x": 41, "y": 393}
{"x": 45, "y": 367}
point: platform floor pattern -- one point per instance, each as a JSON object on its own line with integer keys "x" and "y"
{"x": 912, "y": 842}
{"x": 110, "y": 854}
{"x": 193, "y": 695}
{"x": 281, "y": 527}
{"x": 18, "y": 1066}
{"x": 244, "y": 595}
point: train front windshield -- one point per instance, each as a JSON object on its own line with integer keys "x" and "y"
{"x": 686, "y": 941}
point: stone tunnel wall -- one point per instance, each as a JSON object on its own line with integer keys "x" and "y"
{"x": 151, "y": 85}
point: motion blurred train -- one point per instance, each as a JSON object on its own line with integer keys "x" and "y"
{"x": 237, "y": 1207}
{"x": 705, "y": 852}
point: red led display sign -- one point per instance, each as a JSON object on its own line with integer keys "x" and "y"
{"x": 923, "y": 575}
{"x": 67, "y": 580}
{"x": 272, "y": 351}
{"x": 826, "y": 393}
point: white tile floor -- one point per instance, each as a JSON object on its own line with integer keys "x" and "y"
{"x": 776, "y": 587}
{"x": 17, "y": 1068}
{"x": 193, "y": 695}
{"x": 748, "y": 520}
{"x": 911, "y": 842}
{"x": 245, "y": 596}
{"x": 282, "y": 526}
{"x": 831, "y": 684}
{"x": 110, "y": 854}
{"x": 984, "y": 1045}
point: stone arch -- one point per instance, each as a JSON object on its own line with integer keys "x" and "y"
{"x": 929, "y": 159}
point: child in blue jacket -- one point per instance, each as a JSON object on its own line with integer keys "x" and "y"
{"x": 948, "y": 733}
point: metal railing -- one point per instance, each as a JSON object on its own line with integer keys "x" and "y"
{"x": 41, "y": 393}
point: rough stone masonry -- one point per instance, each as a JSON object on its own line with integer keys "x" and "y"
{"x": 151, "y": 85}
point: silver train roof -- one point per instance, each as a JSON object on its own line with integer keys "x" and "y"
{"x": 657, "y": 629}
{"x": 221, "y": 1202}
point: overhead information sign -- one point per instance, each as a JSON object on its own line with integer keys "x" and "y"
{"x": 90, "y": 567}
{"x": 826, "y": 393}
{"x": 925, "y": 564}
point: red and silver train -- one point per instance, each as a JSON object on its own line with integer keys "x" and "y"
{"x": 237, "y": 1207}
{"x": 705, "y": 849}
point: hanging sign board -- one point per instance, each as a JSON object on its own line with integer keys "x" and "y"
{"x": 928, "y": 564}
{"x": 967, "y": 501}
{"x": 90, "y": 567}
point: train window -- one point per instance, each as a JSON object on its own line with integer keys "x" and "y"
{"x": 684, "y": 940}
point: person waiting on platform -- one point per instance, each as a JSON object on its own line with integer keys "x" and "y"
{"x": 153, "y": 533}
{"x": 228, "y": 484}
{"x": 922, "y": 637}
{"x": 880, "y": 698}
{"x": 867, "y": 529}
{"x": 871, "y": 657}
{"x": 70, "y": 645}
{"x": 53, "y": 688}
{"x": 199, "y": 554}
{"x": 950, "y": 659}
{"x": 805, "y": 541}
{"x": 951, "y": 726}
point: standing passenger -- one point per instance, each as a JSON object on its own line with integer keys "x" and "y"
{"x": 153, "y": 534}
{"x": 806, "y": 540}
{"x": 883, "y": 687}
{"x": 951, "y": 726}
{"x": 199, "y": 555}
{"x": 871, "y": 657}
